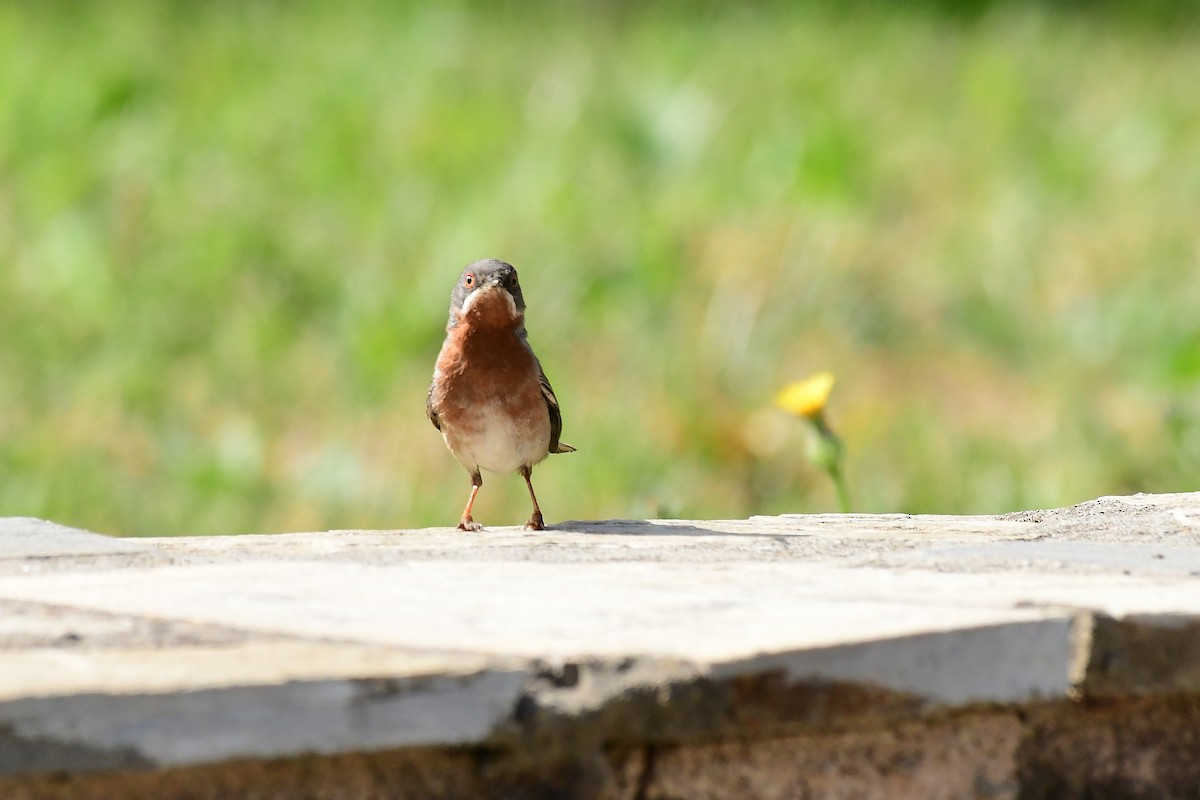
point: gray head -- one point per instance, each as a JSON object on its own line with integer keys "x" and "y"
{"x": 481, "y": 275}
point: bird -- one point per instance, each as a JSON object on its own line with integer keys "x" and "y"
{"x": 490, "y": 397}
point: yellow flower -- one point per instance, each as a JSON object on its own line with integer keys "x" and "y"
{"x": 806, "y": 398}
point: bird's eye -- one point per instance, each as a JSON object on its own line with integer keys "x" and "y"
{"x": 469, "y": 280}
{"x": 512, "y": 281}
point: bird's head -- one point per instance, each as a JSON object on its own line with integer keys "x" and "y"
{"x": 488, "y": 292}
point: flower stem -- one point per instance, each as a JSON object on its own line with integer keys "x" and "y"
{"x": 843, "y": 492}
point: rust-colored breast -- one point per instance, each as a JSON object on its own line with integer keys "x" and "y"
{"x": 488, "y": 392}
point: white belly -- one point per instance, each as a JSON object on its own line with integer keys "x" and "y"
{"x": 496, "y": 442}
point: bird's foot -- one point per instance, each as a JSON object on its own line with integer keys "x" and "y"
{"x": 468, "y": 524}
{"x": 535, "y": 522}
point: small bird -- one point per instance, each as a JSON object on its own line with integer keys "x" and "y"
{"x": 489, "y": 396}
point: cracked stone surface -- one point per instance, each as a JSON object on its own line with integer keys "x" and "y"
{"x": 604, "y": 647}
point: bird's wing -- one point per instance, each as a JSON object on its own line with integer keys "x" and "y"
{"x": 431, "y": 411}
{"x": 555, "y": 414}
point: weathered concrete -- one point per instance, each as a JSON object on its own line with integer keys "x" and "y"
{"x": 794, "y": 656}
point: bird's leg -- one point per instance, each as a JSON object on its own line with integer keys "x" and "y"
{"x": 535, "y": 522}
{"x": 466, "y": 523}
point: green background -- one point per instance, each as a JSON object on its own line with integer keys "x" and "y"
{"x": 228, "y": 232}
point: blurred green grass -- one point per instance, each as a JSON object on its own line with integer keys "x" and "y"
{"x": 228, "y": 234}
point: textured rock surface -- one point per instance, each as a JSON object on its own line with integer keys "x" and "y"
{"x": 795, "y": 656}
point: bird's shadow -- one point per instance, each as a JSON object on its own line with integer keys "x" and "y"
{"x": 640, "y": 527}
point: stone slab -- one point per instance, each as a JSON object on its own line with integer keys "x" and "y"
{"x": 55, "y": 672}
{"x": 25, "y": 537}
{"x": 196, "y": 650}
{"x": 702, "y": 612}
{"x": 269, "y": 719}
{"x": 1106, "y": 556}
